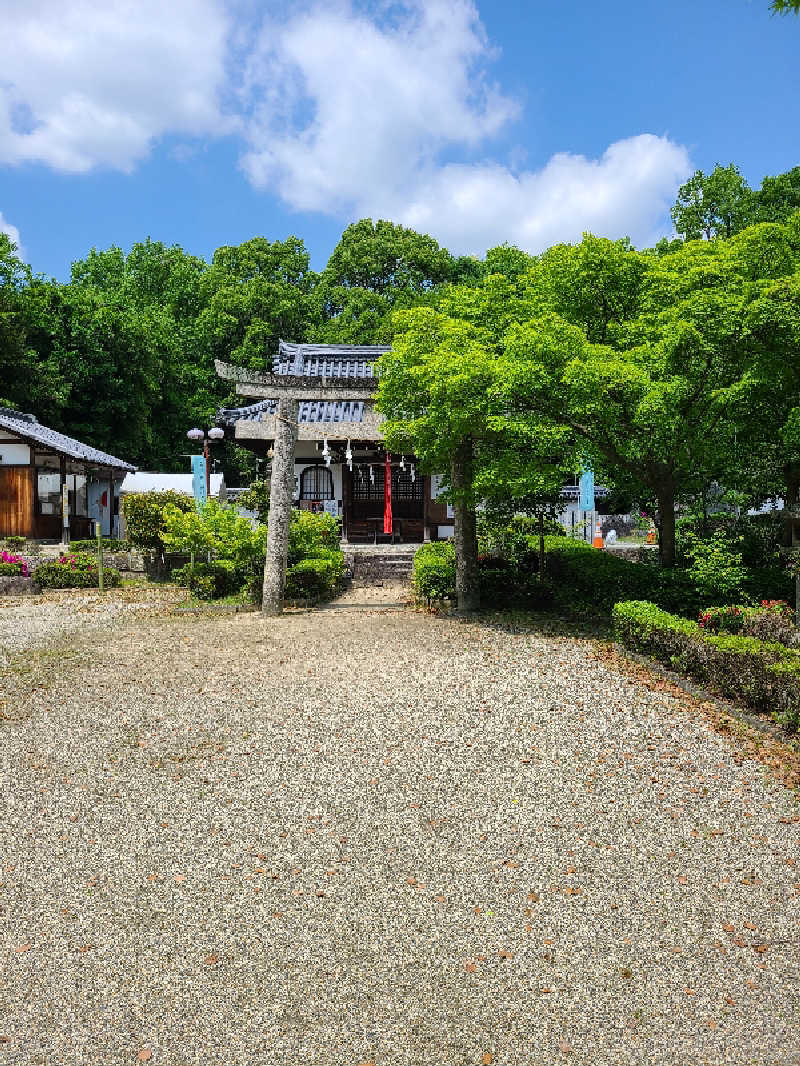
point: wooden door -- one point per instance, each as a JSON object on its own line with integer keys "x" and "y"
{"x": 16, "y": 501}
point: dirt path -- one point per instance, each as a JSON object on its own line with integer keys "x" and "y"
{"x": 368, "y": 835}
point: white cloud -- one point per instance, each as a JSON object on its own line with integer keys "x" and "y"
{"x": 344, "y": 107}
{"x": 88, "y": 84}
{"x": 355, "y": 116}
{"x": 9, "y": 230}
{"x": 624, "y": 193}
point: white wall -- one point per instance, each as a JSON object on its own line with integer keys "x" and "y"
{"x": 14, "y": 453}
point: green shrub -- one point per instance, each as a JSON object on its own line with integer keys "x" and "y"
{"x": 772, "y": 621}
{"x": 11, "y": 570}
{"x": 517, "y": 540}
{"x": 587, "y": 575}
{"x": 766, "y": 676}
{"x": 315, "y": 579}
{"x": 210, "y": 581}
{"x": 74, "y": 571}
{"x": 433, "y": 577}
{"x": 110, "y": 544}
{"x": 507, "y": 584}
{"x": 144, "y": 516}
{"x": 715, "y": 566}
{"x": 256, "y": 498}
{"x": 312, "y": 535}
{"x": 15, "y": 543}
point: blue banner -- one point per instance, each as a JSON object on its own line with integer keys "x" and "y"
{"x": 199, "y": 480}
{"x": 586, "y": 488}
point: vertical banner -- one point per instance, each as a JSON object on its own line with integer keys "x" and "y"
{"x": 65, "y": 506}
{"x": 199, "y": 480}
{"x": 387, "y": 496}
{"x": 586, "y": 490}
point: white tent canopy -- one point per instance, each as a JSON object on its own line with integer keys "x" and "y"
{"x": 144, "y": 481}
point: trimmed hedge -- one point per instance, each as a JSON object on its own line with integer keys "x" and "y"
{"x": 110, "y": 544}
{"x": 315, "y": 579}
{"x": 210, "y": 581}
{"x": 503, "y": 582}
{"x": 433, "y": 576}
{"x": 11, "y": 570}
{"x": 600, "y": 578}
{"x": 766, "y": 676}
{"x": 74, "y": 572}
{"x": 590, "y": 575}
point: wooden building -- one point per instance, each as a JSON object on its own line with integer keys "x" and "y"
{"x": 41, "y": 468}
{"x": 339, "y": 456}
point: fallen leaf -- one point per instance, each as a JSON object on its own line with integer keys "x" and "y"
{"x": 144, "y": 1054}
{"x": 441, "y": 899}
{"x": 532, "y": 897}
{"x": 179, "y": 878}
{"x": 728, "y": 927}
{"x": 487, "y": 1058}
{"x": 470, "y": 967}
{"x": 564, "y": 1047}
{"x": 689, "y": 991}
{"x": 712, "y": 1024}
{"x": 23, "y": 947}
{"x": 504, "y": 953}
{"x": 209, "y": 960}
{"x": 683, "y": 880}
{"x": 749, "y": 925}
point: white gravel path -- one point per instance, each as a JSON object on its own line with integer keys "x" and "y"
{"x": 368, "y": 835}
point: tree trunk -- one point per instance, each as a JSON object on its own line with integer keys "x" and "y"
{"x": 665, "y": 494}
{"x": 792, "y": 476}
{"x": 466, "y": 532}
{"x": 281, "y": 489}
{"x": 541, "y": 546}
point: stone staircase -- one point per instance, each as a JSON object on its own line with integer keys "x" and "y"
{"x": 378, "y": 564}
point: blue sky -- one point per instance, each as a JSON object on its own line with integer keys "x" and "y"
{"x": 207, "y": 122}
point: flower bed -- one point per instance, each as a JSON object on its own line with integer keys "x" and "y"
{"x": 763, "y": 674}
{"x": 74, "y": 571}
{"x": 12, "y": 565}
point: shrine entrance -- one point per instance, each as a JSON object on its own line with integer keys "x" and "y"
{"x": 363, "y": 511}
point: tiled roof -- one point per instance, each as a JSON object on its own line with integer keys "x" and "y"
{"x": 310, "y": 411}
{"x": 30, "y": 429}
{"x": 328, "y": 360}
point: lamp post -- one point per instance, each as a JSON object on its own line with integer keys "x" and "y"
{"x": 214, "y": 434}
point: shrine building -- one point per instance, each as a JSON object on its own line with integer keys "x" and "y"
{"x": 340, "y": 461}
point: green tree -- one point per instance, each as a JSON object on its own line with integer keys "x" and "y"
{"x": 784, "y": 7}
{"x": 30, "y": 378}
{"x": 594, "y": 284}
{"x": 712, "y": 205}
{"x": 659, "y": 400}
{"x": 778, "y": 198}
{"x": 440, "y": 392}
{"x": 255, "y": 294}
{"x": 160, "y": 291}
{"x": 374, "y": 270}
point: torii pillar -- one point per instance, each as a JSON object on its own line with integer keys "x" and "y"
{"x": 281, "y": 491}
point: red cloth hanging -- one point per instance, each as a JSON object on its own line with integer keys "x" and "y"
{"x": 387, "y": 496}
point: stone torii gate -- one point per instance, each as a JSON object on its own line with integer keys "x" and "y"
{"x": 288, "y": 390}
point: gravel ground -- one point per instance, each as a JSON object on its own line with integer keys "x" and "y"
{"x": 369, "y": 835}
